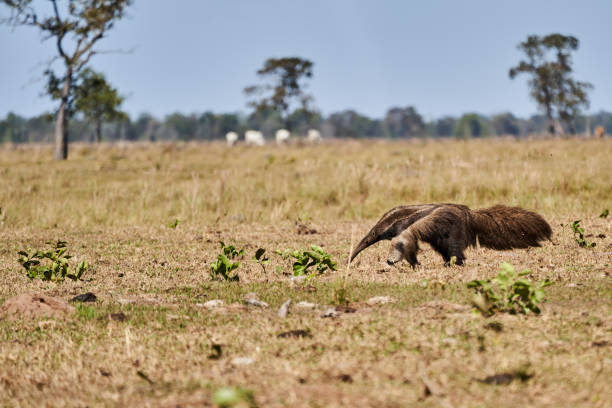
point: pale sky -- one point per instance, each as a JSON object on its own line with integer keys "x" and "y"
{"x": 443, "y": 57}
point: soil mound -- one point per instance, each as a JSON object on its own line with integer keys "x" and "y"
{"x": 34, "y": 305}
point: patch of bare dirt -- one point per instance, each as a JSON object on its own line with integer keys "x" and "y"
{"x": 34, "y": 305}
{"x": 303, "y": 229}
{"x": 441, "y": 306}
{"x": 166, "y": 302}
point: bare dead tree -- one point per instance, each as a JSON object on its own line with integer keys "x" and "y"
{"x": 76, "y": 27}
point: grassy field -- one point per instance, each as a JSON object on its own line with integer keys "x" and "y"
{"x": 114, "y": 206}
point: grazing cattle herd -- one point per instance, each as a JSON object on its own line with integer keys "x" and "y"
{"x": 282, "y": 135}
{"x": 231, "y": 138}
{"x": 256, "y": 137}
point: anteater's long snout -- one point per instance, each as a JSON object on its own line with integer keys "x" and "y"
{"x": 365, "y": 242}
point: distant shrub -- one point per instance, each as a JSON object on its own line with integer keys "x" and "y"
{"x": 51, "y": 265}
{"x": 305, "y": 259}
{"x": 234, "y": 397}
{"x": 579, "y": 235}
{"x": 223, "y": 267}
{"x": 261, "y": 258}
{"x": 508, "y": 292}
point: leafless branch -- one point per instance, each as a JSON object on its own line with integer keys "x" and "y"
{"x": 117, "y": 51}
{"x": 56, "y": 11}
{"x": 85, "y": 60}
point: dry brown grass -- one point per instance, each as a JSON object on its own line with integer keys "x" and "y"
{"x": 202, "y": 184}
{"x": 113, "y": 204}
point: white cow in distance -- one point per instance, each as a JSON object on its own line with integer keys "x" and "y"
{"x": 313, "y": 136}
{"x": 231, "y": 138}
{"x": 254, "y": 137}
{"x": 282, "y": 135}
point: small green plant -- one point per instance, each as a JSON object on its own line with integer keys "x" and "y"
{"x": 51, "y": 265}
{"x": 234, "y": 397}
{"x": 225, "y": 265}
{"x": 304, "y": 260}
{"x": 223, "y": 268}
{"x": 340, "y": 294}
{"x": 579, "y": 235}
{"x": 261, "y": 258}
{"x": 84, "y": 312}
{"x": 508, "y": 292}
{"x": 230, "y": 250}
{"x": 174, "y": 223}
{"x": 604, "y": 213}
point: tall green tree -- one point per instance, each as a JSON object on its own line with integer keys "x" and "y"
{"x": 505, "y": 124}
{"x": 445, "y": 126}
{"x": 300, "y": 121}
{"x": 185, "y": 126}
{"x": 349, "y": 123}
{"x": 12, "y": 128}
{"x": 472, "y": 125}
{"x": 76, "y": 27}
{"x": 548, "y": 62}
{"x": 267, "y": 121}
{"x": 404, "y": 122}
{"x": 97, "y": 100}
{"x": 284, "y": 88}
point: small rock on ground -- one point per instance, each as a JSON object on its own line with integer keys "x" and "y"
{"x": 255, "y": 302}
{"x": 380, "y": 300}
{"x": 118, "y": 317}
{"x": 306, "y": 305}
{"x": 212, "y": 303}
{"x": 331, "y": 312}
{"x": 242, "y": 361}
{"x": 284, "y": 309}
{"x": 345, "y": 309}
{"x": 297, "y": 279}
{"x": 85, "y": 297}
{"x": 295, "y": 334}
{"x": 446, "y": 306}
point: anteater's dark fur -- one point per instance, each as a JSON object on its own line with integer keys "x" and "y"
{"x": 451, "y": 228}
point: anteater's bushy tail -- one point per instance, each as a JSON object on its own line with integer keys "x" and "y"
{"x": 501, "y": 227}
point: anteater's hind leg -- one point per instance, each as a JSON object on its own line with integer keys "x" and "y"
{"x": 457, "y": 242}
{"x": 442, "y": 249}
{"x": 448, "y": 250}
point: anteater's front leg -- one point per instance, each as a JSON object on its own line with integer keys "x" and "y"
{"x": 404, "y": 246}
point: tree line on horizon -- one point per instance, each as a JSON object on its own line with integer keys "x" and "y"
{"x": 88, "y": 107}
{"x": 398, "y": 123}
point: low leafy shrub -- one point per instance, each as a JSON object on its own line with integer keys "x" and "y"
{"x": 579, "y": 235}
{"x": 340, "y": 294}
{"x": 305, "y": 259}
{"x": 508, "y": 292}
{"x": 231, "y": 251}
{"x": 52, "y": 264}
{"x": 223, "y": 267}
{"x": 234, "y": 397}
{"x": 261, "y": 258}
